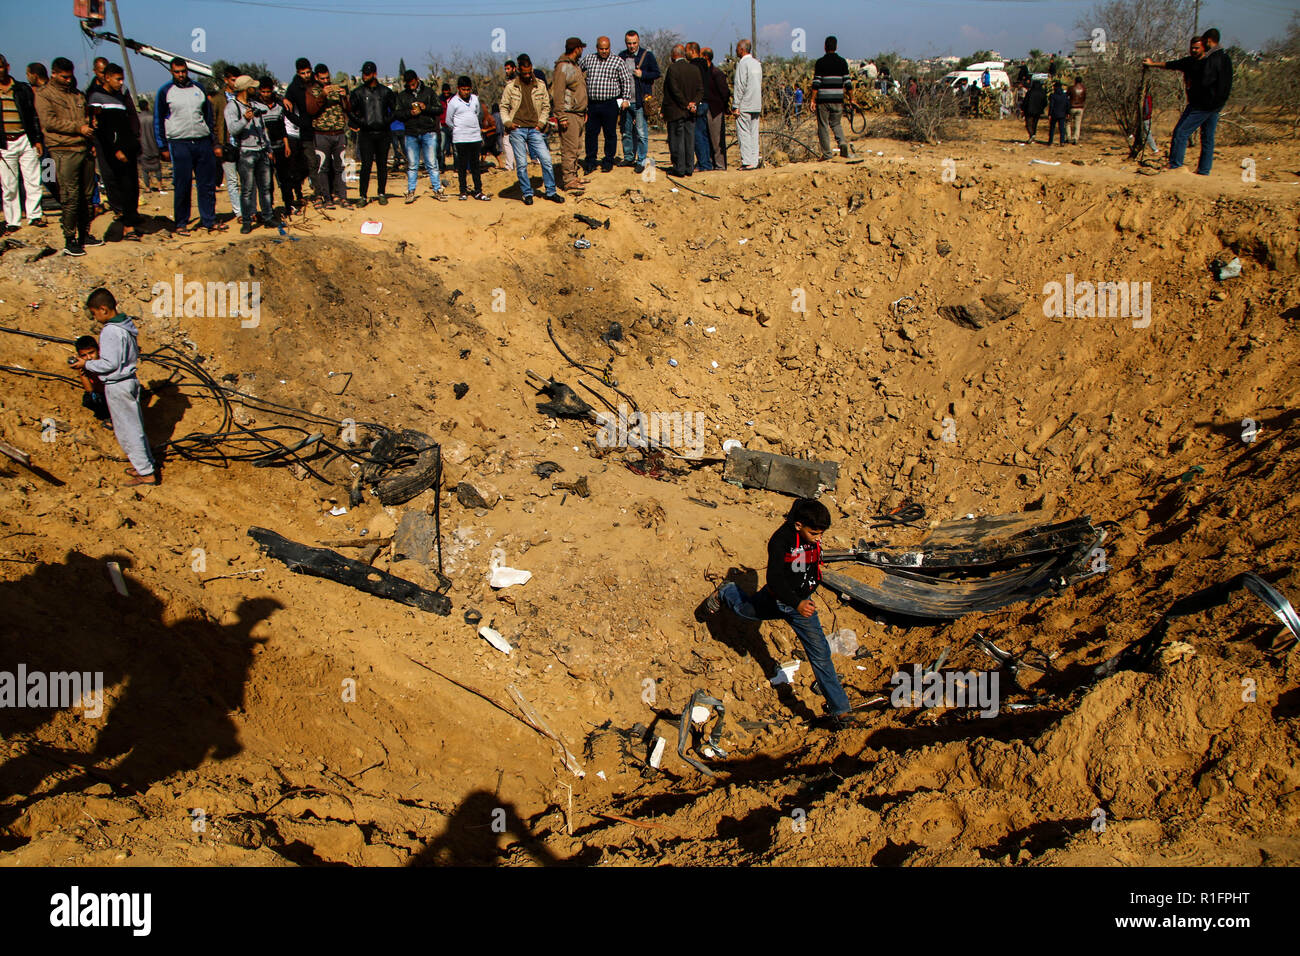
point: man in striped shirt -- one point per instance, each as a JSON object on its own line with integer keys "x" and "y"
{"x": 830, "y": 83}
{"x": 609, "y": 91}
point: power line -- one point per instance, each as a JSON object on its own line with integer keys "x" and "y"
{"x": 371, "y": 12}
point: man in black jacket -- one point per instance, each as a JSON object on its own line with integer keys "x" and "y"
{"x": 418, "y": 107}
{"x": 683, "y": 91}
{"x": 1033, "y": 106}
{"x": 373, "y": 108}
{"x": 1209, "y": 83}
{"x": 794, "y": 559}
{"x": 117, "y": 141}
{"x": 21, "y": 148}
{"x": 299, "y": 108}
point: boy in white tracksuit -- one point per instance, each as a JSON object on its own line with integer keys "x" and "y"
{"x": 119, "y": 353}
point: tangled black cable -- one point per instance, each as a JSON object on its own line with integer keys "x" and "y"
{"x": 603, "y": 375}
{"x": 231, "y": 441}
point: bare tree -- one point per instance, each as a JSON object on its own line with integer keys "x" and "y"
{"x": 933, "y": 114}
{"x": 1131, "y": 30}
{"x": 660, "y": 43}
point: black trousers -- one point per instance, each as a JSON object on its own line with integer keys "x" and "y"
{"x": 681, "y": 145}
{"x": 1053, "y": 124}
{"x": 602, "y": 117}
{"x": 372, "y": 147}
{"x": 290, "y": 186}
{"x": 299, "y": 169}
{"x": 468, "y": 157}
{"x": 1031, "y": 125}
{"x": 122, "y": 183}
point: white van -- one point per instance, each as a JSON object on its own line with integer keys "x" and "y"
{"x": 998, "y": 78}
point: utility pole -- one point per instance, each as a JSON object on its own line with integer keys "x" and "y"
{"x": 753, "y": 26}
{"x": 126, "y": 61}
{"x": 1196, "y": 20}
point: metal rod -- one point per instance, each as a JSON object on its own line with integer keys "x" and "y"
{"x": 126, "y": 60}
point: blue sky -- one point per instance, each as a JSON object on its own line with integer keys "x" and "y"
{"x": 278, "y": 31}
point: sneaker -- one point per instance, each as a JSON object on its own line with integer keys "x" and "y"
{"x": 74, "y": 249}
{"x": 639, "y": 167}
{"x": 463, "y": 197}
{"x": 89, "y": 240}
{"x": 10, "y": 228}
{"x": 713, "y": 603}
{"x": 482, "y": 198}
{"x": 845, "y": 721}
{"x": 38, "y": 223}
{"x": 528, "y": 200}
{"x": 554, "y": 197}
{"x": 410, "y": 196}
{"x": 246, "y": 228}
{"x": 382, "y": 199}
{"x": 440, "y": 195}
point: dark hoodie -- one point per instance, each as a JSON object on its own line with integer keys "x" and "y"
{"x": 1060, "y": 104}
{"x": 1036, "y": 99}
{"x": 116, "y": 124}
{"x": 793, "y": 565}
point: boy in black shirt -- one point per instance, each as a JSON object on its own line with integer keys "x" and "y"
{"x": 794, "y": 557}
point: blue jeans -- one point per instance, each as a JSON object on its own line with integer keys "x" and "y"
{"x": 703, "y": 148}
{"x": 764, "y": 607}
{"x": 426, "y": 145}
{"x": 255, "y": 185}
{"x": 524, "y": 142}
{"x": 193, "y": 157}
{"x": 636, "y": 135}
{"x": 1188, "y": 123}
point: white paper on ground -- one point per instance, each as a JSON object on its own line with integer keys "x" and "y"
{"x": 371, "y": 228}
{"x": 700, "y": 713}
{"x": 495, "y": 639}
{"x": 503, "y": 577}
{"x": 786, "y": 674}
{"x": 657, "y": 753}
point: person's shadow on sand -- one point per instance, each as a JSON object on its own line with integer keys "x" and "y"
{"x": 177, "y": 683}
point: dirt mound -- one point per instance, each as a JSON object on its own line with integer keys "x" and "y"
{"x": 307, "y": 723}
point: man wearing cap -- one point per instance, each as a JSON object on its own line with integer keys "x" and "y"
{"x": 247, "y": 129}
{"x": 569, "y": 99}
{"x": 374, "y": 107}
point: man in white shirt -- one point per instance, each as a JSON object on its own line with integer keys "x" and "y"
{"x": 748, "y": 99}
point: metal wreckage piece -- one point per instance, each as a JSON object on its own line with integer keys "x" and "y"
{"x": 710, "y": 746}
{"x": 969, "y": 565}
{"x": 1141, "y": 654}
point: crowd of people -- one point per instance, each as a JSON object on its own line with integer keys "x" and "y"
{"x": 258, "y": 138}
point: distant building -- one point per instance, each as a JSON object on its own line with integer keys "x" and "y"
{"x": 1084, "y": 56}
